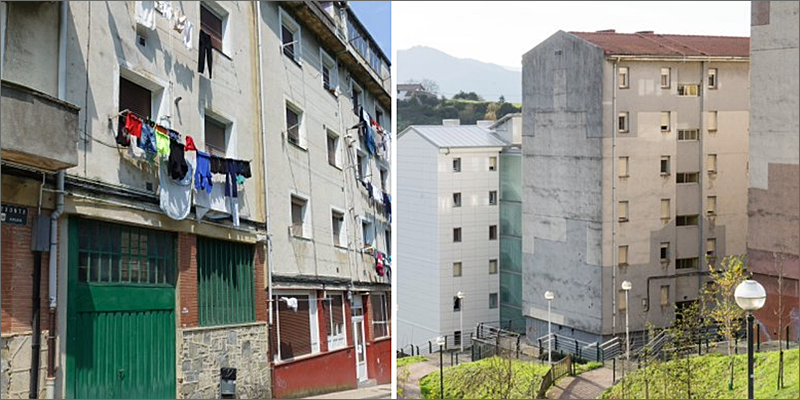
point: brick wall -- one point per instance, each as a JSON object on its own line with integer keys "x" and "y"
{"x": 187, "y": 279}
{"x": 16, "y": 272}
{"x": 262, "y": 312}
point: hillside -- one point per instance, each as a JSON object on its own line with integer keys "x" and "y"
{"x": 431, "y": 111}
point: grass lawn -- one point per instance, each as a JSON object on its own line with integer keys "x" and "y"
{"x": 581, "y": 368}
{"x": 491, "y": 378}
{"x": 710, "y": 377}
{"x": 402, "y": 362}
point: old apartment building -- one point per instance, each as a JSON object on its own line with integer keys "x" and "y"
{"x": 158, "y": 161}
{"x": 449, "y": 175}
{"x": 635, "y": 149}
{"x": 772, "y": 209}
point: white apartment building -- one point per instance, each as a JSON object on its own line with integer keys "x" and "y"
{"x": 448, "y": 230}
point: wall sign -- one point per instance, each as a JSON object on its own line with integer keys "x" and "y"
{"x": 15, "y": 215}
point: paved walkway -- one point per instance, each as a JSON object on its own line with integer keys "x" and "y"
{"x": 416, "y": 371}
{"x": 374, "y": 392}
{"x": 588, "y": 385}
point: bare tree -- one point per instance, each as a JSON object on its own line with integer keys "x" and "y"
{"x": 778, "y": 267}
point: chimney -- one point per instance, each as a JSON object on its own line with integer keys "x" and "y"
{"x": 607, "y": 31}
{"x": 485, "y": 123}
{"x": 646, "y": 32}
{"x": 451, "y": 122}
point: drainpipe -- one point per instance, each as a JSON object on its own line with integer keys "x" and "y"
{"x": 264, "y": 158}
{"x": 50, "y": 381}
{"x": 700, "y": 176}
{"x": 614, "y": 129}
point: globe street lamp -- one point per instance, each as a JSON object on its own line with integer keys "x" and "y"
{"x": 441, "y": 340}
{"x": 460, "y": 296}
{"x": 549, "y": 296}
{"x": 750, "y": 296}
{"x": 626, "y": 286}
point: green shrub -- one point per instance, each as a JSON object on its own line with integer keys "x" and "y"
{"x": 402, "y": 362}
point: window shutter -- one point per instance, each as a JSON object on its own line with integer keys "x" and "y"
{"x": 294, "y": 327}
{"x": 134, "y": 98}
{"x": 212, "y": 25}
{"x": 215, "y": 137}
{"x": 665, "y": 208}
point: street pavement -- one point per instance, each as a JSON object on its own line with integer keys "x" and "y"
{"x": 374, "y": 392}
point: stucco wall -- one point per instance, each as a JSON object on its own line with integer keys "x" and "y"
{"x": 16, "y": 365}
{"x": 31, "y": 54}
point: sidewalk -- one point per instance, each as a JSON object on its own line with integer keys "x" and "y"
{"x": 588, "y": 385}
{"x": 416, "y": 372}
{"x": 374, "y": 392}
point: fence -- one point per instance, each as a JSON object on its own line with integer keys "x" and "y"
{"x": 558, "y": 370}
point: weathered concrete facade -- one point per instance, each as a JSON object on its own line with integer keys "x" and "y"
{"x": 580, "y": 165}
{"x": 773, "y": 222}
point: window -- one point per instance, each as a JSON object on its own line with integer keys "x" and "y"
{"x": 623, "y": 301}
{"x": 493, "y": 198}
{"x": 363, "y": 165}
{"x": 333, "y": 149}
{"x": 664, "y": 295}
{"x": 134, "y": 98}
{"x": 686, "y": 220}
{"x": 664, "y": 253}
{"x": 688, "y": 134}
{"x": 492, "y": 232}
{"x": 665, "y": 78}
{"x": 711, "y": 161}
{"x": 333, "y": 315}
{"x": 456, "y": 269}
{"x": 623, "y": 78}
{"x": 623, "y": 167}
{"x": 665, "y": 119}
{"x": 712, "y": 205}
{"x": 456, "y": 304}
{"x": 330, "y": 76}
{"x": 492, "y": 300}
{"x": 688, "y": 90}
{"x": 384, "y": 179}
{"x": 367, "y": 233}
{"x": 457, "y": 338}
{"x": 711, "y": 248}
{"x": 388, "y": 238}
{"x": 686, "y": 263}
{"x": 456, "y": 235}
{"x": 299, "y": 221}
{"x": 337, "y": 226}
{"x": 457, "y": 199}
{"x": 712, "y": 121}
{"x": 622, "y": 259}
{"x": 623, "y": 122}
{"x": 293, "y": 121}
{"x": 492, "y": 267}
{"x": 215, "y": 137}
{"x": 291, "y": 36}
{"x": 687, "y": 177}
{"x": 622, "y": 211}
{"x": 712, "y": 78}
{"x": 456, "y": 165}
{"x": 380, "y": 316}
{"x": 665, "y": 210}
{"x": 664, "y": 165}
{"x": 492, "y": 163}
{"x": 378, "y": 116}
{"x": 357, "y": 97}
{"x": 213, "y": 24}
{"x": 296, "y": 329}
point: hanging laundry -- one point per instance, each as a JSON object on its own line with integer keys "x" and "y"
{"x": 368, "y": 132}
{"x": 218, "y": 165}
{"x": 188, "y": 33}
{"x": 133, "y": 125}
{"x": 122, "y": 138}
{"x": 243, "y": 168}
{"x": 145, "y": 14}
{"x": 387, "y": 203}
{"x": 206, "y": 55}
{"x": 177, "y": 163}
{"x": 387, "y": 146}
{"x": 190, "y": 144}
{"x": 147, "y": 140}
{"x": 175, "y": 195}
{"x": 369, "y": 189}
{"x": 231, "y": 190}
{"x": 162, "y": 142}
{"x": 376, "y": 193}
{"x": 379, "y": 266}
{"x": 202, "y": 175}
{"x": 179, "y": 21}
{"x": 165, "y": 8}
{"x": 291, "y": 303}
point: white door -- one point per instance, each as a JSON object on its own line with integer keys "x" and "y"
{"x": 358, "y": 338}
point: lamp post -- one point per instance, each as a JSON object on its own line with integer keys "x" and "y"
{"x": 460, "y": 296}
{"x": 549, "y": 296}
{"x": 626, "y": 286}
{"x": 441, "y": 341}
{"x": 750, "y": 296}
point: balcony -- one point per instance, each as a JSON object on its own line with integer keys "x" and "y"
{"x": 39, "y": 130}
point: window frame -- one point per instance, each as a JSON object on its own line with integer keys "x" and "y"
{"x": 306, "y": 230}
{"x": 711, "y": 248}
{"x": 337, "y": 140}
{"x": 456, "y": 199}
{"x": 623, "y": 118}
{"x": 313, "y": 316}
{"x": 227, "y": 138}
{"x": 355, "y": 87}
{"x": 688, "y": 135}
{"x": 494, "y": 266}
{"x": 683, "y": 90}
{"x": 493, "y": 229}
{"x": 287, "y": 21}
{"x": 664, "y": 248}
{"x": 668, "y": 126}
{"x": 713, "y": 75}
{"x": 496, "y": 304}
{"x": 711, "y": 205}
{"x": 493, "y": 196}
{"x": 712, "y": 116}
{"x": 327, "y": 62}
{"x": 460, "y": 269}
{"x": 221, "y": 13}
{"x": 457, "y": 235}
{"x": 664, "y": 299}
{"x": 493, "y": 163}
{"x": 338, "y": 341}
{"x": 711, "y": 163}
{"x": 456, "y": 164}
{"x": 387, "y": 322}
{"x": 668, "y": 74}
{"x": 623, "y": 163}
{"x": 622, "y": 249}
{"x": 668, "y": 203}
{"x": 687, "y": 220}
{"x": 623, "y": 205}
{"x": 680, "y": 263}
{"x": 686, "y": 178}
{"x": 457, "y": 306}
{"x": 301, "y": 128}
{"x": 159, "y": 95}
{"x": 342, "y": 228}
{"x": 668, "y": 165}
{"x": 623, "y": 83}
{"x": 368, "y": 232}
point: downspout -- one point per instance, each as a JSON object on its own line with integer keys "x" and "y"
{"x": 700, "y": 181}
{"x": 264, "y": 158}
{"x": 614, "y": 129}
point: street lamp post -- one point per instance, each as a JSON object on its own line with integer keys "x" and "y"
{"x": 626, "y": 286}
{"x": 441, "y": 341}
{"x": 460, "y": 296}
{"x": 750, "y": 296}
{"x": 549, "y": 296}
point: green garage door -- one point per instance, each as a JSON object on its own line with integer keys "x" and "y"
{"x": 121, "y": 311}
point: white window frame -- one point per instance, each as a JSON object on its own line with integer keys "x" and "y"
{"x": 301, "y": 122}
{"x": 711, "y": 247}
{"x": 313, "y": 323}
{"x": 669, "y": 165}
{"x": 496, "y": 266}
{"x": 337, "y": 150}
{"x": 711, "y": 163}
{"x": 668, "y": 207}
{"x": 627, "y": 119}
{"x": 669, "y": 78}
{"x": 493, "y": 163}
{"x": 693, "y": 134}
{"x": 622, "y": 250}
{"x": 223, "y": 14}
{"x": 308, "y": 231}
{"x": 363, "y": 166}
{"x": 713, "y": 120}
{"x": 684, "y": 92}
{"x": 457, "y": 160}
{"x": 664, "y": 245}
{"x": 230, "y": 132}
{"x": 460, "y": 199}
{"x": 368, "y": 232}
{"x": 460, "y": 269}
{"x": 711, "y": 205}
{"x": 668, "y": 126}
{"x": 336, "y": 342}
{"x": 493, "y": 192}
{"x": 342, "y": 230}
{"x": 387, "y": 322}
{"x": 715, "y": 74}
{"x": 624, "y": 83}
{"x": 284, "y": 19}
{"x": 361, "y": 97}
{"x": 383, "y": 113}
{"x": 460, "y": 235}
{"x": 623, "y": 164}
{"x": 326, "y": 61}
{"x": 623, "y": 206}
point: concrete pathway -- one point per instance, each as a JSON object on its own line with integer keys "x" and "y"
{"x": 374, "y": 392}
{"x": 588, "y": 385}
{"x": 416, "y": 372}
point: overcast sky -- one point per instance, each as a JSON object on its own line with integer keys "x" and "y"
{"x": 500, "y": 32}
